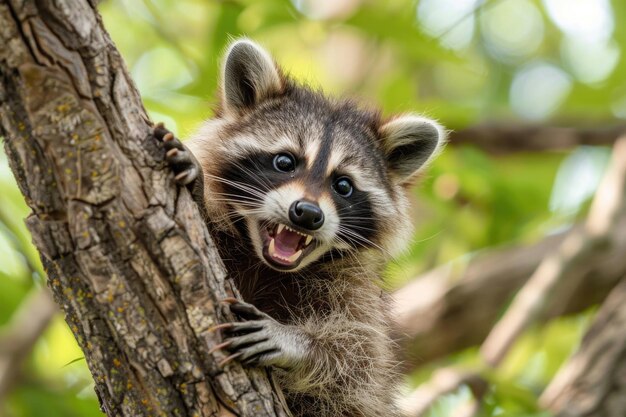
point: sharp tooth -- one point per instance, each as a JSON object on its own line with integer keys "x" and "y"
{"x": 280, "y": 228}
{"x": 271, "y": 248}
{"x": 308, "y": 239}
{"x": 289, "y": 228}
{"x": 295, "y": 256}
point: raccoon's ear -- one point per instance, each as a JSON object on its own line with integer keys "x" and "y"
{"x": 409, "y": 143}
{"x": 249, "y": 75}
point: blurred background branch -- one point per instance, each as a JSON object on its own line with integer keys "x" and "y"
{"x": 454, "y": 306}
{"x": 555, "y": 277}
{"x": 592, "y": 381}
{"x": 564, "y": 265}
{"x": 444, "y": 381}
{"x": 503, "y": 138}
{"x": 18, "y": 337}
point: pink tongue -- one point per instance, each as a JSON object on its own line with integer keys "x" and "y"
{"x": 286, "y": 243}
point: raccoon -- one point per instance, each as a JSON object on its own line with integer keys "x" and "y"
{"x": 306, "y": 198}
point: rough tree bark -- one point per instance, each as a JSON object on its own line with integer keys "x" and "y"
{"x": 128, "y": 257}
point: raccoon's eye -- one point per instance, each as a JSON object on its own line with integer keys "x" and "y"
{"x": 284, "y": 162}
{"x": 343, "y": 187}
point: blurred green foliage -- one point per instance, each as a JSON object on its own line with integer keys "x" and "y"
{"x": 460, "y": 61}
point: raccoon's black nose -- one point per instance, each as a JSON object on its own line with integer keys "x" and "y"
{"x": 306, "y": 214}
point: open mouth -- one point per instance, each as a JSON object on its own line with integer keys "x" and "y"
{"x": 285, "y": 247}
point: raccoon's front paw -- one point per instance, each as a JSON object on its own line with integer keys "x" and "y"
{"x": 261, "y": 340}
{"x": 178, "y": 157}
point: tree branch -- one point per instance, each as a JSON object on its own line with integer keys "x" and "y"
{"x": 127, "y": 254}
{"x": 502, "y": 138}
{"x": 593, "y": 382}
{"x": 19, "y": 336}
{"x": 558, "y": 270}
{"x": 444, "y": 381}
{"x": 576, "y": 250}
{"x": 454, "y": 306}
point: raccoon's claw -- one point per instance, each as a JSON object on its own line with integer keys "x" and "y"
{"x": 179, "y": 158}
{"x": 261, "y": 341}
{"x": 253, "y": 343}
{"x": 228, "y": 360}
{"x": 244, "y": 310}
{"x": 219, "y": 327}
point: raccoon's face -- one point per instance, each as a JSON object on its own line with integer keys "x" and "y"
{"x": 307, "y": 177}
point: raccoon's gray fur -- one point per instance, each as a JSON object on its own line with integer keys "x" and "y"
{"x": 284, "y": 165}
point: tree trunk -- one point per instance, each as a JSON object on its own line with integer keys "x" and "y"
{"x": 128, "y": 256}
{"x": 593, "y": 382}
